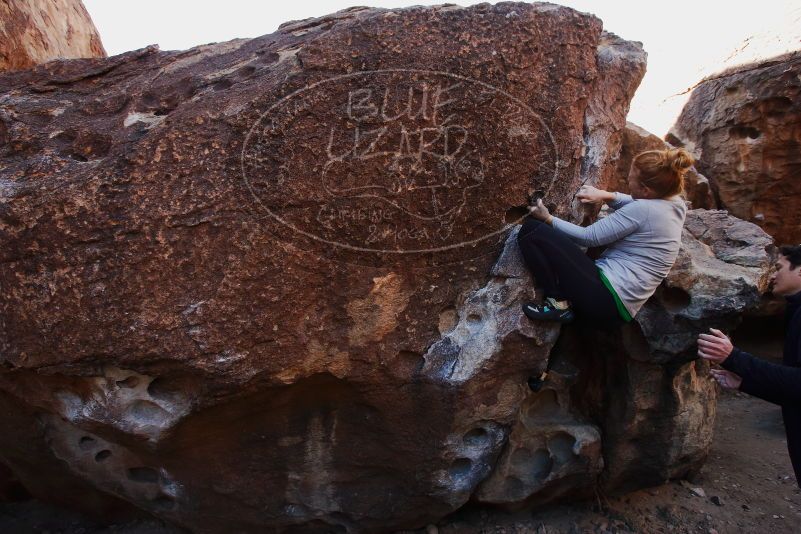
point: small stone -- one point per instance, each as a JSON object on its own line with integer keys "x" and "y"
{"x": 716, "y": 500}
{"x": 698, "y": 492}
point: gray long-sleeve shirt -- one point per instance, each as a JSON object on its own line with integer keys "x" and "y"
{"x": 643, "y": 238}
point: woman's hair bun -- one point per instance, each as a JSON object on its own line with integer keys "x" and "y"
{"x": 678, "y": 159}
{"x": 663, "y": 170}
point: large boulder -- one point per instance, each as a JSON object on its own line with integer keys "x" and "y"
{"x": 743, "y": 127}
{"x": 247, "y": 285}
{"x": 274, "y": 282}
{"x": 723, "y": 268}
{"x": 37, "y": 31}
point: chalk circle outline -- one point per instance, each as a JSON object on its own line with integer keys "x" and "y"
{"x": 324, "y": 81}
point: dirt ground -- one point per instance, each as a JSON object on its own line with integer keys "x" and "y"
{"x": 746, "y": 486}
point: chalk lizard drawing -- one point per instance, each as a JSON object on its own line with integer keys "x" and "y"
{"x": 410, "y": 140}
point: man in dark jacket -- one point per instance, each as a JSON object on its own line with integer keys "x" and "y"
{"x": 779, "y": 384}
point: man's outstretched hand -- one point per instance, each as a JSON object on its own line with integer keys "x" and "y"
{"x": 714, "y": 347}
{"x": 726, "y": 379}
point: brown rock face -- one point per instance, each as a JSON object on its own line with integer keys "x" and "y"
{"x": 36, "y": 31}
{"x": 743, "y": 126}
{"x": 274, "y": 283}
{"x": 622, "y": 66}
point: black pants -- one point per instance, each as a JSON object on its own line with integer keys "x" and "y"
{"x": 564, "y": 272}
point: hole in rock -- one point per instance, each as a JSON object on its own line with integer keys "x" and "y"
{"x": 561, "y": 446}
{"x": 537, "y": 193}
{"x": 163, "y": 389}
{"x": 741, "y": 132}
{"x": 478, "y": 437}
{"x": 542, "y": 405}
{"x": 473, "y": 318}
{"x": 245, "y": 71}
{"x": 130, "y": 382}
{"x": 83, "y": 146}
{"x": 460, "y": 467}
{"x": 776, "y": 106}
{"x": 521, "y": 459}
{"x": 514, "y": 485}
{"x": 222, "y": 85}
{"x": 86, "y": 443}
{"x": 447, "y": 319}
{"x": 541, "y": 463}
{"x": 143, "y": 474}
{"x": 164, "y": 502}
{"x": 102, "y": 455}
{"x": 149, "y": 99}
{"x": 268, "y": 58}
{"x": 147, "y": 413}
{"x": 674, "y": 299}
{"x": 514, "y": 214}
{"x": 66, "y": 137}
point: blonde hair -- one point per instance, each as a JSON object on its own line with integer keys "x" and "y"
{"x": 662, "y": 171}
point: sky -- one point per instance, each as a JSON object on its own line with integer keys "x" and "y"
{"x": 685, "y": 39}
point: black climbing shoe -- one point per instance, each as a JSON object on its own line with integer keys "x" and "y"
{"x": 547, "y": 312}
{"x": 535, "y": 382}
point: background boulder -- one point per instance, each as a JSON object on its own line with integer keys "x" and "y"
{"x": 743, "y": 127}
{"x": 37, "y": 31}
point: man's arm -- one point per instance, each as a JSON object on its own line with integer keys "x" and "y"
{"x": 611, "y": 228}
{"x": 779, "y": 384}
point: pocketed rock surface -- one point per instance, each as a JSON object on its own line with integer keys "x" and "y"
{"x": 743, "y": 127}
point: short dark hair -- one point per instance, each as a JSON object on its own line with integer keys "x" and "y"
{"x": 793, "y": 254}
